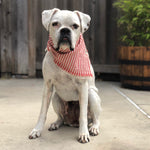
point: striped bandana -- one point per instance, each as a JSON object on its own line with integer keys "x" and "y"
{"x": 74, "y": 62}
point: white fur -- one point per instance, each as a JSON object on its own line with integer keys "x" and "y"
{"x": 60, "y": 85}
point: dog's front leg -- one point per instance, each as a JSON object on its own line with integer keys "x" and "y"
{"x": 47, "y": 94}
{"x": 83, "y": 102}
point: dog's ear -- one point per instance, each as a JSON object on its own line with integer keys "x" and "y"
{"x": 46, "y": 17}
{"x": 84, "y": 20}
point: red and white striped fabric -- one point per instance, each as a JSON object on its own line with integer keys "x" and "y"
{"x": 74, "y": 62}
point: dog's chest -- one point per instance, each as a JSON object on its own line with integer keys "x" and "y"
{"x": 66, "y": 87}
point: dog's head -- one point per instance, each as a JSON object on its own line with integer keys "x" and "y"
{"x": 65, "y": 26}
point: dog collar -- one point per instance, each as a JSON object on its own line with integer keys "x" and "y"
{"x": 74, "y": 62}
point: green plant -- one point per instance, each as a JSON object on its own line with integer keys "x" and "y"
{"x": 134, "y": 22}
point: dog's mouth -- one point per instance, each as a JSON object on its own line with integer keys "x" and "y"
{"x": 64, "y": 41}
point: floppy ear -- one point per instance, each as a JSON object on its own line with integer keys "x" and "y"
{"x": 46, "y": 17}
{"x": 84, "y": 20}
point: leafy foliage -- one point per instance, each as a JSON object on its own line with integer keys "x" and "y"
{"x": 134, "y": 21}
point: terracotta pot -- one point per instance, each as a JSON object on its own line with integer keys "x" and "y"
{"x": 135, "y": 67}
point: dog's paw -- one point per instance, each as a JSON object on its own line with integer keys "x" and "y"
{"x": 94, "y": 130}
{"x": 53, "y": 126}
{"x": 56, "y": 125}
{"x": 84, "y": 138}
{"x": 35, "y": 134}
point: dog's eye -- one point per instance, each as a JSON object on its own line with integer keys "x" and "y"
{"x": 75, "y": 26}
{"x": 55, "y": 24}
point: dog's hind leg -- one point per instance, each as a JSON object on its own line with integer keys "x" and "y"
{"x": 95, "y": 107}
{"x": 58, "y": 106}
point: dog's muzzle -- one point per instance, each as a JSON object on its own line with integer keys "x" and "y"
{"x": 65, "y": 38}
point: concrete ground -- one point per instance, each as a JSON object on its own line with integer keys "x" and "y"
{"x": 123, "y": 126}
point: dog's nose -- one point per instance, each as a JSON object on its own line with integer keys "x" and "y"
{"x": 65, "y": 31}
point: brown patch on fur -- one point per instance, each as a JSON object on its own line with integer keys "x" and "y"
{"x": 70, "y": 113}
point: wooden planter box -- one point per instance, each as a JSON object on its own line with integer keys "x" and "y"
{"x": 135, "y": 67}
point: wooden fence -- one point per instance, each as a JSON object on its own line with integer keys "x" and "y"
{"x": 23, "y": 38}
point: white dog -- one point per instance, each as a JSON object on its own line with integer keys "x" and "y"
{"x": 68, "y": 74}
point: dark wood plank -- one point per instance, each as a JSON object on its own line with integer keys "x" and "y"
{"x": 106, "y": 68}
{"x": 69, "y": 5}
{"x": 100, "y": 32}
{"x": 38, "y": 34}
{"x": 14, "y": 36}
{"x": 78, "y": 5}
{"x": 60, "y": 4}
{"x": 111, "y": 33}
{"x": 31, "y": 38}
{"x": 0, "y": 32}
{"x": 22, "y": 37}
{"x": 64, "y": 4}
{"x": 90, "y": 34}
{"x": 6, "y": 39}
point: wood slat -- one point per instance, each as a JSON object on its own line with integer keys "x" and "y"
{"x": 100, "y": 32}
{"x": 146, "y": 68}
{"x": 38, "y": 35}
{"x": 0, "y": 32}
{"x": 90, "y": 7}
{"x": 6, "y": 38}
{"x": 111, "y": 33}
{"x": 106, "y": 68}
{"x": 22, "y": 37}
{"x": 31, "y": 38}
{"x": 14, "y": 12}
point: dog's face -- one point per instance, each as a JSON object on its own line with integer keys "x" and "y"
{"x": 65, "y": 26}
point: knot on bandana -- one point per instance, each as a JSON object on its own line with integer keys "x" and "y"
{"x": 74, "y": 62}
